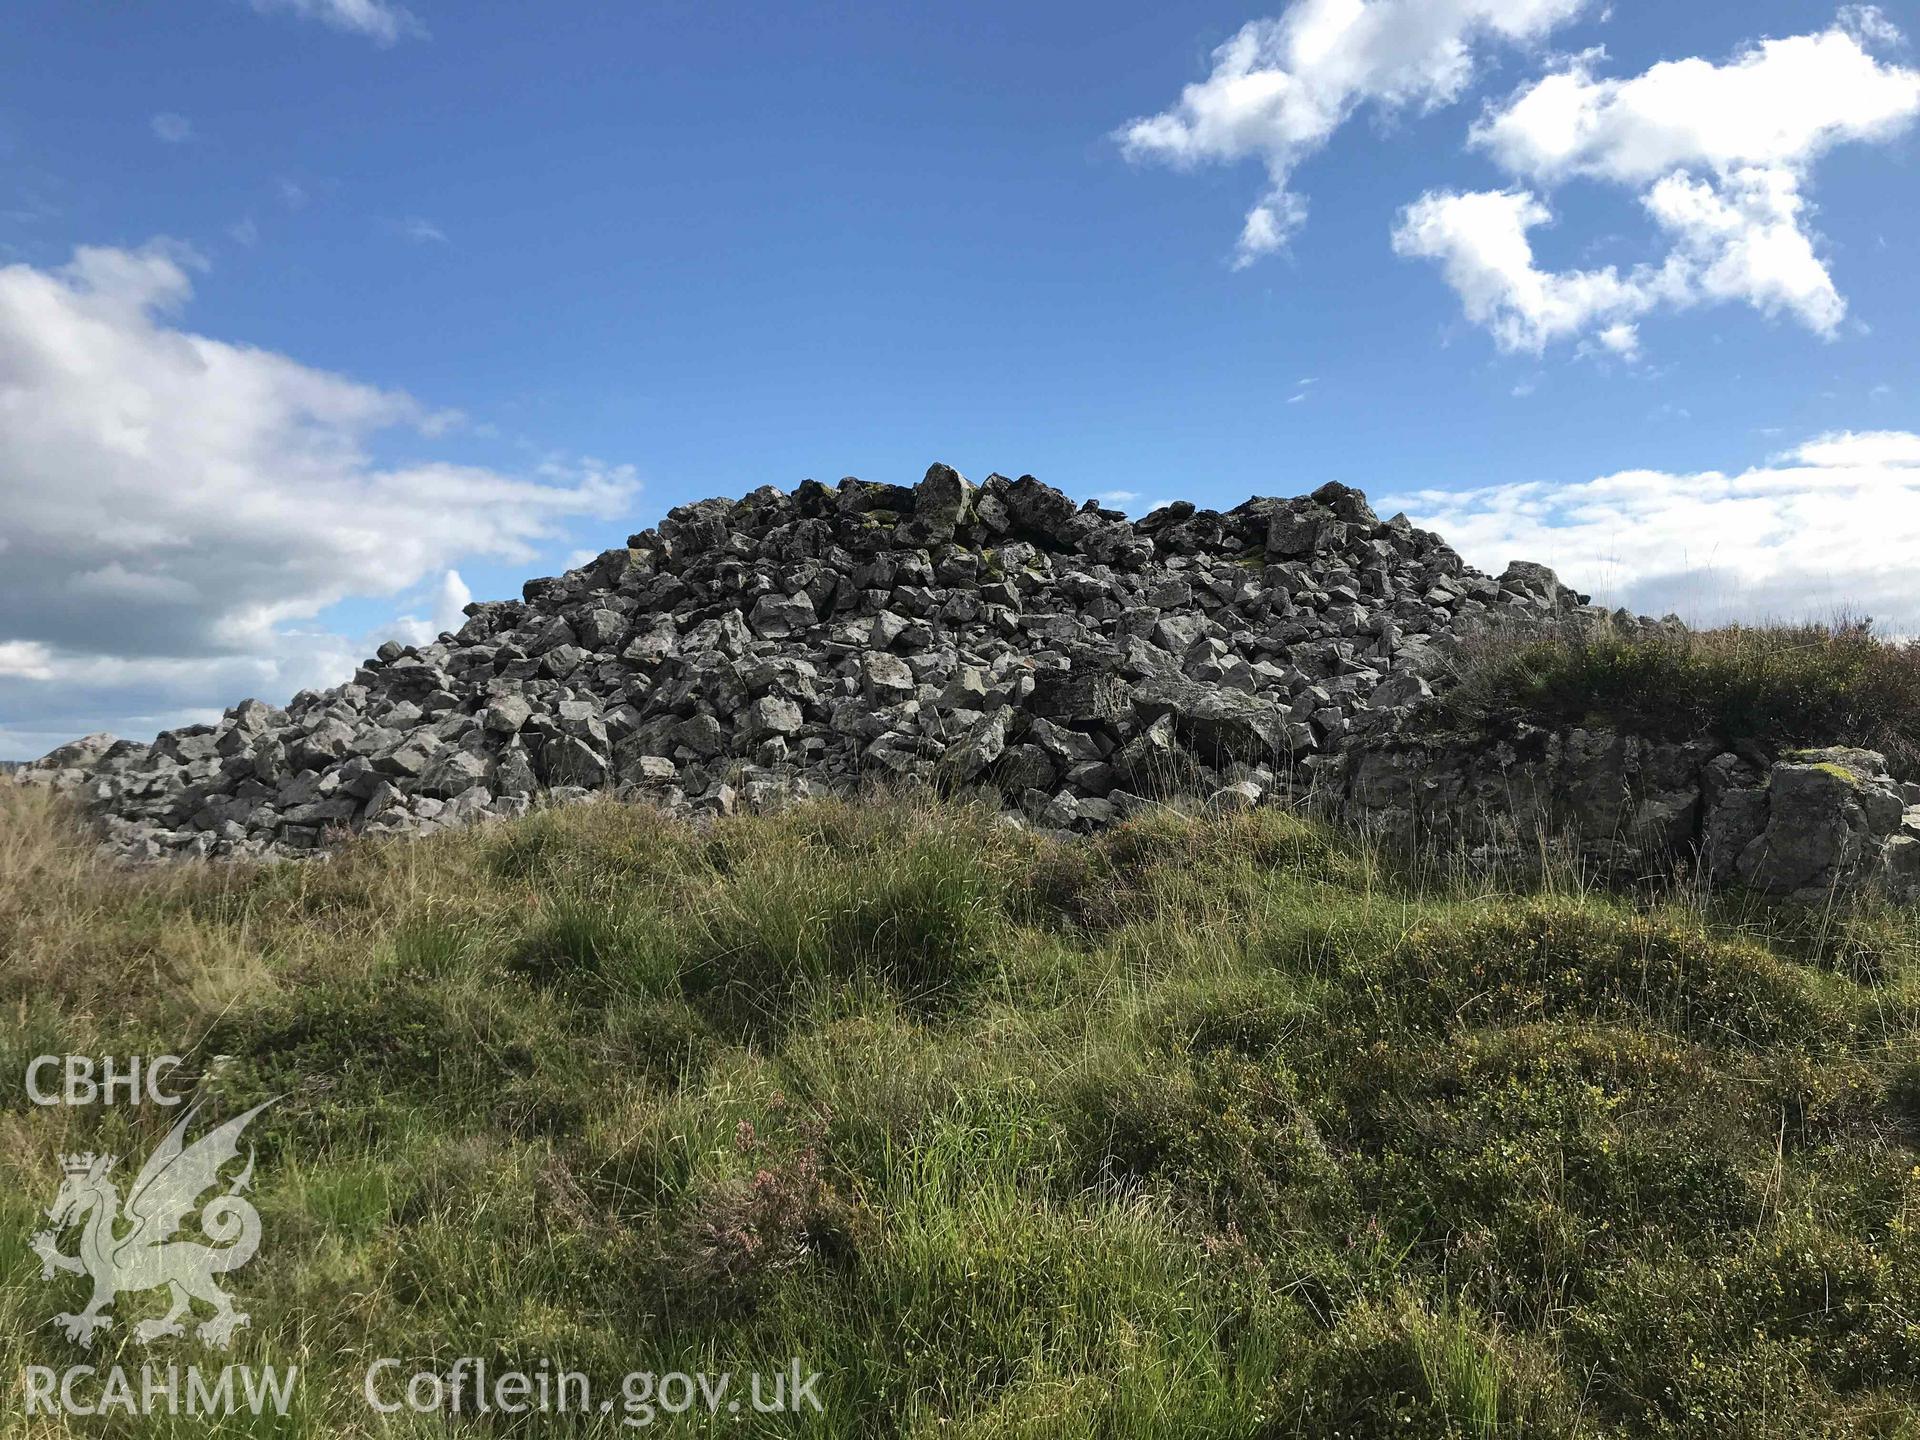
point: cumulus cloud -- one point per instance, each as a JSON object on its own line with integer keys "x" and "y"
{"x": 379, "y": 20}
{"x": 1741, "y": 237}
{"x": 177, "y": 508}
{"x": 450, "y": 599}
{"x": 1281, "y": 87}
{"x": 1720, "y": 154}
{"x": 1480, "y": 240}
{"x": 1782, "y": 540}
{"x": 1783, "y": 103}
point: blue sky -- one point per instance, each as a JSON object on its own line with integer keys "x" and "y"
{"x": 531, "y": 275}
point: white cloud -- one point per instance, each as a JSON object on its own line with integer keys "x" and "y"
{"x": 1480, "y": 240}
{"x": 1740, "y": 238}
{"x": 1281, "y": 87}
{"x": 244, "y": 232}
{"x": 1784, "y": 540}
{"x": 423, "y": 232}
{"x": 26, "y": 660}
{"x": 173, "y": 129}
{"x": 177, "y": 506}
{"x": 1721, "y": 156}
{"x": 450, "y": 598}
{"x": 1842, "y": 448}
{"x": 1268, "y": 227}
{"x": 1621, "y": 339}
{"x": 1870, "y": 24}
{"x": 379, "y": 20}
{"x": 1783, "y": 104}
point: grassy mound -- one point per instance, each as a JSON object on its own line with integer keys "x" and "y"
{"x": 1792, "y": 684}
{"x": 1199, "y": 1128}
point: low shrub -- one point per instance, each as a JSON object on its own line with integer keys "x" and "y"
{"x": 1229, "y": 1138}
{"x": 1781, "y": 684}
{"x": 1566, "y": 958}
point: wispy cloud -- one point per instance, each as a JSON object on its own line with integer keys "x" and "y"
{"x": 422, "y": 232}
{"x": 1781, "y": 540}
{"x": 380, "y": 21}
{"x": 31, "y": 208}
{"x": 174, "y": 129}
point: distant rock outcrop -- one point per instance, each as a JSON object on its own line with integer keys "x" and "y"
{"x": 749, "y": 652}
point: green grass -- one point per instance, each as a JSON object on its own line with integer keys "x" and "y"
{"x": 1203, "y": 1127}
{"x": 1777, "y": 684}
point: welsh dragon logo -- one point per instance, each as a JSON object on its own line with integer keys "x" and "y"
{"x": 129, "y": 1248}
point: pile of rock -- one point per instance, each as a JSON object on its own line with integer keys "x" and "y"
{"x": 749, "y": 652}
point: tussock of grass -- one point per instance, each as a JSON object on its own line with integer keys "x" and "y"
{"x": 1213, "y": 1127}
{"x": 1779, "y": 684}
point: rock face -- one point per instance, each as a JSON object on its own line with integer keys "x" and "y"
{"x": 1600, "y": 794}
{"x": 1806, "y": 825}
{"x": 749, "y": 652}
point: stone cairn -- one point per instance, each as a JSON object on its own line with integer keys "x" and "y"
{"x": 748, "y": 653}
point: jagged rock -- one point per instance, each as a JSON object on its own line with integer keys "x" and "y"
{"x": 775, "y": 617}
{"x": 1218, "y": 725}
{"x": 983, "y": 744}
{"x": 514, "y": 775}
{"x": 1232, "y": 799}
{"x": 1898, "y": 871}
{"x": 69, "y": 764}
{"x": 701, "y": 734}
{"x": 569, "y": 761}
{"x": 770, "y": 715}
{"x": 1153, "y": 764}
{"x": 885, "y": 679}
{"x": 942, "y": 502}
{"x": 507, "y": 714}
{"x": 1828, "y": 815}
{"x": 455, "y": 773}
